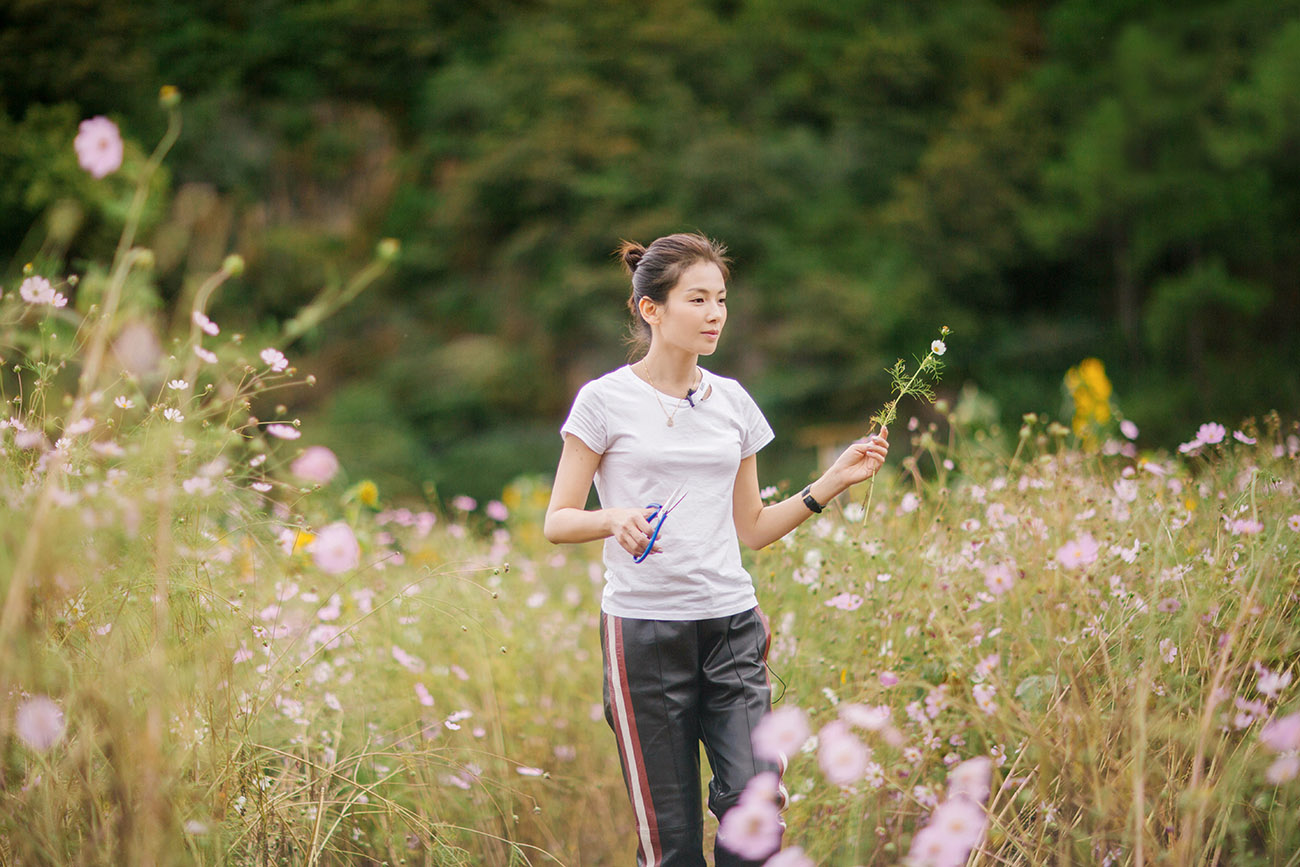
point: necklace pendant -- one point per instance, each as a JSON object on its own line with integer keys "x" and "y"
{"x": 670, "y": 422}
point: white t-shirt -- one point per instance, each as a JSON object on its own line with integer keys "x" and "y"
{"x": 698, "y": 574}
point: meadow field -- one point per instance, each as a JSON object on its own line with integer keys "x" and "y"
{"x": 218, "y": 646}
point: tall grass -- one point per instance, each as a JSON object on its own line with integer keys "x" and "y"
{"x": 251, "y": 667}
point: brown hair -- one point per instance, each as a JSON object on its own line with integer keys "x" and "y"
{"x": 657, "y": 268}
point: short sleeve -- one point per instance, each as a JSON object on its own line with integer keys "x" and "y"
{"x": 586, "y": 419}
{"x": 756, "y": 432}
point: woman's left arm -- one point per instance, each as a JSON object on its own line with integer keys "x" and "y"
{"x": 758, "y": 525}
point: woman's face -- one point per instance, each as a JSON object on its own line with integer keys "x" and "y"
{"x": 692, "y": 317}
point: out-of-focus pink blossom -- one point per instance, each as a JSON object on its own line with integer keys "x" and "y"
{"x": 37, "y": 290}
{"x": 970, "y": 779}
{"x": 138, "y": 349}
{"x": 464, "y": 503}
{"x": 316, "y": 464}
{"x": 845, "y": 601}
{"x": 208, "y": 326}
{"x": 1129, "y": 429}
{"x": 910, "y": 503}
{"x": 1211, "y": 433}
{"x": 1244, "y": 527}
{"x": 99, "y": 146}
{"x": 1241, "y": 437}
{"x": 999, "y": 578}
{"x": 39, "y": 723}
{"x": 751, "y": 829}
{"x": 1284, "y": 769}
{"x": 1272, "y": 682}
{"x": 1079, "y": 552}
{"x": 780, "y": 734}
{"x": 496, "y": 510}
{"x": 335, "y": 549}
{"x": 840, "y": 754}
{"x": 274, "y": 359}
{"x": 888, "y": 679}
{"x": 1282, "y": 735}
{"x": 283, "y": 431}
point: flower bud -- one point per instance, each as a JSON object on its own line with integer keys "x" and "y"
{"x": 233, "y": 264}
{"x": 388, "y": 249}
{"x": 145, "y": 258}
{"x": 169, "y": 96}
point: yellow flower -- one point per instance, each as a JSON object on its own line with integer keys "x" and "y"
{"x": 368, "y": 493}
{"x": 1090, "y": 391}
{"x": 302, "y": 540}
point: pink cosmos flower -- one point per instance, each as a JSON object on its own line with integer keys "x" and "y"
{"x": 37, "y": 290}
{"x": 39, "y": 723}
{"x": 845, "y": 601}
{"x": 763, "y": 787}
{"x": 971, "y": 779}
{"x": 316, "y": 464}
{"x": 888, "y": 679}
{"x": 496, "y": 510}
{"x": 866, "y": 717}
{"x": 1272, "y": 682}
{"x": 780, "y": 734}
{"x": 1129, "y": 429}
{"x": 910, "y": 503}
{"x": 983, "y": 694}
{"x": 208, "y": 326}
{"x": 407, "y": 661}
{"x": 962, "y": 821}
{"x": 99, "y": 146}
{"x": 1282, "y": 735}
{"x": 1211, "y": 433}
{"x": 206, "y": 354}
{"x": 751, "y": 829}
{"x": 283, "y": 431}
{"x": 464, "y": 503}
{"x": 1078, "y": 552}
{"x": 932, "y": 848}
{"x": 842, "y": 757}
{"x": 804, "y": 575}
{"x": 999, "y": 578}
{"x": 275, "y": 359}
{"x": 1294, "y": 523}
{"x": 335, "y": 549}
{"x": 1284, "y": 769}
{"x": 1241, "y": 437}
{"x": 1244, "y": 527}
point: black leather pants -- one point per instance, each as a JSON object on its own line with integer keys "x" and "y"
{"x": 670, "y": 685}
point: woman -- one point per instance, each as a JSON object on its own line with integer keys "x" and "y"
{"x": 684, "y": 641}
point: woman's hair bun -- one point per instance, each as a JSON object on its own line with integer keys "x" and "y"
{"x": 630, "y": 252}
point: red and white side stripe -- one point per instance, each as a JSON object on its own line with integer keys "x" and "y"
{"x": 630, "y": 745}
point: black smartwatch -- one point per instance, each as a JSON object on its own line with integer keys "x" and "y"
{"x": 808, "y": 500}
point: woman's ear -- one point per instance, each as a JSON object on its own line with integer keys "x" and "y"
{"x": 649, "y": 310}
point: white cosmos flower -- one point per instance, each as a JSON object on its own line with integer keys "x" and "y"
{"x": 938, "y": 347}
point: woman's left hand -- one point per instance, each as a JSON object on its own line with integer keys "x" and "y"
{"x": 862, "y": 460}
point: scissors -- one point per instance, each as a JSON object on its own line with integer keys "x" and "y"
{"x": 659, "y": 515}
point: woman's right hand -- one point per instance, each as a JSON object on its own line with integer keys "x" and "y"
{"x": 631, "y": 529}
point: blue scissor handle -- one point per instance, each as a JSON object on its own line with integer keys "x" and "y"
{"x": 662, "y": 515}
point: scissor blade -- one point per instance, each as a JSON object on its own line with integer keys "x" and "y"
{"x": 676, "y": 497}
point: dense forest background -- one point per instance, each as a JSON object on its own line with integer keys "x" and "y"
{"x": 1052, "y": 180}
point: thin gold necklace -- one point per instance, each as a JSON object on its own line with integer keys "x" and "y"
{"x": 646, "y": 369}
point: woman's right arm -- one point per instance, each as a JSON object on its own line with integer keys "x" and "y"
{"x": 567, "y": 518}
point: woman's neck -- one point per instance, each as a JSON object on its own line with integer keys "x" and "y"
{"x": 671, "y": 372}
